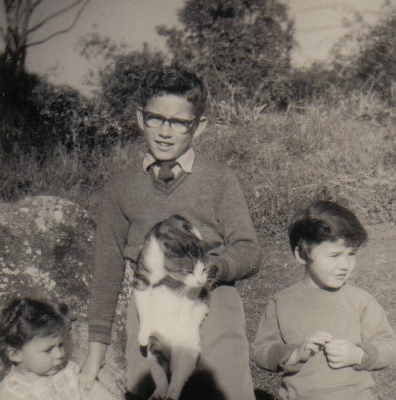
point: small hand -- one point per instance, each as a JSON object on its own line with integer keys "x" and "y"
{"x": 308, "y": 349}
{"x": 342, "y": 353}
{"x": 211, "y": 272}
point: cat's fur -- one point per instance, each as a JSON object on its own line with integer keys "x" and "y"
{"x": 170, "y": 288}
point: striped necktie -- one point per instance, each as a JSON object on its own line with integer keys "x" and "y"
{"x": 165, "y": 172}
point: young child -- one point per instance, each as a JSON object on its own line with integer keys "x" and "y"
{"x": 173, "y": 179}
{"x": 322, "y": 332}
{"x": 31, "y": 343}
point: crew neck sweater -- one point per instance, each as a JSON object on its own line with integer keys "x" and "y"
{"x": 296, "y": 313}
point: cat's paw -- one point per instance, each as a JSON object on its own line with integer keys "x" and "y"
{"x": 143, "y": 350}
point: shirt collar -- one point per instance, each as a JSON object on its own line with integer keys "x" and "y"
{"x": 186, "y": 161}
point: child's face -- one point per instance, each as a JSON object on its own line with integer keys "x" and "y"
{"x": 163, "y": 142}
{"x": 42, "y": 356}
{"x": 330, "y": 264}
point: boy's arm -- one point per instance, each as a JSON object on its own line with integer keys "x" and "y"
{"x": 242, "y": 255}
{"x": 378, "y": 338}
{"x": 269, "y": 350}
{"x": 110, "y": 237}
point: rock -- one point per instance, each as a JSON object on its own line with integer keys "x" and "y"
{"x": 45, "y": 250}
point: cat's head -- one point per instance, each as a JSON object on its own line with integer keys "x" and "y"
{"x": 183, "y": 249}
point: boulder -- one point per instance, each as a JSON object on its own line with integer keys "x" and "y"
{"x": 45, "y": 250}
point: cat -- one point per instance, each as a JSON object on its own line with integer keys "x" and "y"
{"x": 171, "y": 287}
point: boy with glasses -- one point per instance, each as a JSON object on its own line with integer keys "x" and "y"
{"x": 172, "y": 179}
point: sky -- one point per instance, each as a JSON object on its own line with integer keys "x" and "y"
{"x": 318, "y": 24}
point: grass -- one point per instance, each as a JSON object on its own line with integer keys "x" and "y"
{"x": 345, "y": 152}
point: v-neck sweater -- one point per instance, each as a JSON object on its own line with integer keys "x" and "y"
{"x": 210, "y": 197}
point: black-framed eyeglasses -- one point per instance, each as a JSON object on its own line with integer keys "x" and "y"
{"x": 182, "y": 126}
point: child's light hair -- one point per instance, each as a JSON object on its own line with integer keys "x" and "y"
{"x": 324, "y": 221}
{"x": 177, "y": 81}
{"x": 24, "y": 319}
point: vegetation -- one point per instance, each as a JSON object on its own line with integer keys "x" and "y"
{"x": 225, "y": 38}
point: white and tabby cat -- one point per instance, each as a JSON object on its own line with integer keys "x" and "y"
{"x": 170, "y": 288}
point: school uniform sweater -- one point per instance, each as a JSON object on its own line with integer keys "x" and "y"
{"x": 299, "y": 311}
{"x": 210, "y": 197}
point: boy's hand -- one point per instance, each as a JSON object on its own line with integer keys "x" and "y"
{"x": 211, "y": 272}
{"x": 313, "y": 345}
{"x": 342, "y": 353}
{"x": 93, "y": 363}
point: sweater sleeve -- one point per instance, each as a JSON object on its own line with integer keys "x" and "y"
{"x": 110, "y": 237}
{"x": 378, "y": 338}
{"x": 242, "y": 254}
{"x": 269, "y": 349}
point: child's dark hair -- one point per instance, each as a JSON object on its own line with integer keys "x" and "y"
{"x": 24, "y": 319}
{"x": 324, "y": 221}
{"x": 174, "y": 80}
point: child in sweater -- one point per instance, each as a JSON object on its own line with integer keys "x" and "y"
{"x": 172, "y": 179}
{"x": 31, "y": 343}
{"x": 322, "y": 332}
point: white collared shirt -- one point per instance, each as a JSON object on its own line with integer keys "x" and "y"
{"x": 184, "y": 162}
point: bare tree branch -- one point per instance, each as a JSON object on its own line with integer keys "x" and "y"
{"x": 60, "y": 32}
{"x": 58, "y": 13}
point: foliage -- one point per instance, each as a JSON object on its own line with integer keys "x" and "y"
{"x": 120, "y": 83}
{"x": 49, "y": 116}
{"x": 241, "y": 47}
{"x": 23, "y": 122}
{"x": 373, "y": 66}
{"x": 119, "y": 79}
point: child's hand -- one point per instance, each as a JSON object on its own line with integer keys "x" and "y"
{"x": 313, "y": 345}
{"x": 342, "y": 353}
{"x": 211, "y": 272}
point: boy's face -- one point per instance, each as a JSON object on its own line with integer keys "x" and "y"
{"x": 42, "y": 356}
{"x": 164, "y": 141}
{"x": 330, "y": 265}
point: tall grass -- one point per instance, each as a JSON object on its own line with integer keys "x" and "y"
{"x": 345, "y": 152}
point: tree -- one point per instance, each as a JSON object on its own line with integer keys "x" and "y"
{"x": 119, "y": 82}
{"x": 19, "y": 112}
{"x": 371, "y": 62}
{"x": 376, "y": 62}
{"x": 23, "y": 21}
{"x": 242, "y": 46}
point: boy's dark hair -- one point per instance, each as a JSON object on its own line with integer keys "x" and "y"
{"x": 324, "y": 221}
{"x": 24, "y": 319}
{"x": 174, "y": 80}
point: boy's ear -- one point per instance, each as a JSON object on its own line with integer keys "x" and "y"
{"x": 201, "y": 126}
{"x": 139, "y": 116}
{"x": 298, "y": 256}
{"x": 14, "y": 355}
